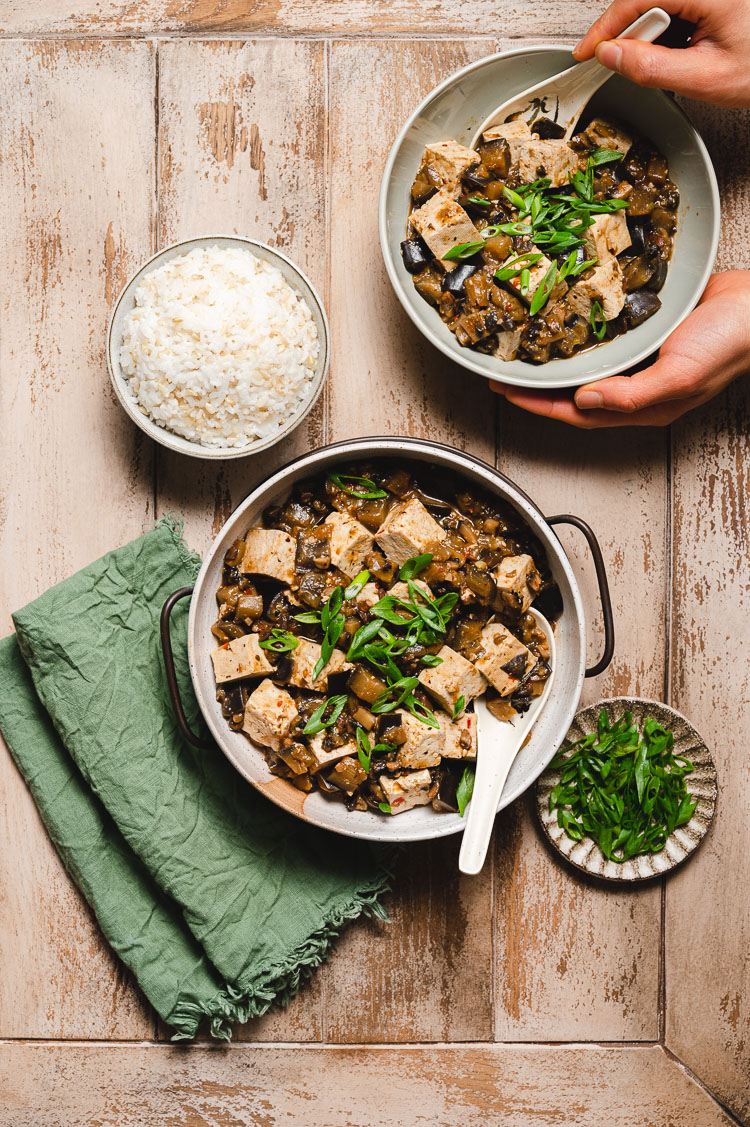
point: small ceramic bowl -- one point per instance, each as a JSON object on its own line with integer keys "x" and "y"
{"x": 126, "y": 301}
{"x": 701, "y": 783}
{"x": 457, "y": 107}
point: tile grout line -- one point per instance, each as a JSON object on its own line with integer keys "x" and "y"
{"x": 667, "y": 692}
{"x": 700, "y": 1084}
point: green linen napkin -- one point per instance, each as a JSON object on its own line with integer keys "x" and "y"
{"x": 220, "y": 903}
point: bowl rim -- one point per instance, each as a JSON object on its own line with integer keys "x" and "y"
{"x": 385, "y": 446}
{"x": 176, "y": 442}
{"x": 468, "y": 362}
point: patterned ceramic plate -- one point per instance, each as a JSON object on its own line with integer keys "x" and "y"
{"x": 586, "y": 855}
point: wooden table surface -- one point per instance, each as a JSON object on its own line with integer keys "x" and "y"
{"x": 526, "y": 996}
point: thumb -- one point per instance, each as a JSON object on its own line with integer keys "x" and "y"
{"x": 690, "y": 71}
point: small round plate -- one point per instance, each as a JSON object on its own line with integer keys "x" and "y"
{"x": 586, "y": 855}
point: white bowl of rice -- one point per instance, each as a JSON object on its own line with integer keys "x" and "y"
{"x": 218, "y": 347}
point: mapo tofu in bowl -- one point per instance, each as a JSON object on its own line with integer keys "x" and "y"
{"x": 535, "y": 248}
{"x": 361, "y": 619}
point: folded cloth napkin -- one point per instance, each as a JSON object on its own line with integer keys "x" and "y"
{"x": 220, "y": 903}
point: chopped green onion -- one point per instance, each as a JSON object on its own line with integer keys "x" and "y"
{"x": 459, "y": 706}
{"x": 356, "y": 585}
{"x": 431, "y": 660}
{"x": 543, "y": 291}
{"x": 479, "y": 200}
{"x": 280, "y": 641}
{"x": 465, "y": 790}
{"x": 364, "y": 749}
{"x": 369, "y": 491}
{"x": 598, "y": 320}
{"x": 605, "y": 156}
{"x": 524, "y": 282}
{"x": 316, "y": 723}
{"x": 333, "y": 622}
{"x": 309, "y": 617}
{"x": 384, "y": 807}
{"x": 623, "y": 788}
{"x": 413, "y": 566}
{"x": 515, "y": 265}
{"x": 462, "y": 250}
{"x": 514, "y": 197}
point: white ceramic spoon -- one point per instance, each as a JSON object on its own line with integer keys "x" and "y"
{"x": 498, "y": 743}
{"x": 564, "y": 97}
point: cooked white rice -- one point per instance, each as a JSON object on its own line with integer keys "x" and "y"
{"x": 219, "y": 348}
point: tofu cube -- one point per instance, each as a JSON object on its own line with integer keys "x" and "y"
{"x": 402, "y": 792}
{"x": 401, "y": 590}
{"x": 508, "y": 343}
{"x": 303, "y": 661}
{"x": 607, "y": 235}
{"x": 270, "y": 552}
{"x": 454, "y": 678}
{"x": 535, "y": 158}
{"x": 505, "y": 660}
{"x": 350, "y": 543}
{"x": 269, "y": 713}
{"x": 516, "y": 130}
{"x": 604, "y": 285}
{"x": 447, "y": 162}
{"x": 408, "y": 531}
{"x": 322, "y": 757}
{"x": 536, "y": 277}
{"x": 443, "y": 224}
{"x": 423, "y": 746}
{"x": 242, "y": 657}
{"x": 460, "y": 736}
{"x": 517, "y": 581}
{"x": 369, "y": 595}
{"x": 605, "y": 134}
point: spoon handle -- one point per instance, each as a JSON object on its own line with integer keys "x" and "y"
{"x": 491, "y": 772}
{"x": 586, "y": 78}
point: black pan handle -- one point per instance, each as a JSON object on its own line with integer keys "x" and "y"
{"x": 174, "y": 692}
{"x": 601, "y": 578}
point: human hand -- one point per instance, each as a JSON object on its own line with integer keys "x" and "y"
{"x": 714, "y": 68}
{"x": 705, "y": 353}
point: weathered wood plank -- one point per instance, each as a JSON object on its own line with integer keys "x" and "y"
{"x": 426, "y": 975}
{"x": 242, "y": 151}
{"x": 708, "y": 909}
{"x": 566, "y": 18}
{"x": 575, "y": 959}
{"x": 77, "y": 138}
{"x": 518, "y": 1086}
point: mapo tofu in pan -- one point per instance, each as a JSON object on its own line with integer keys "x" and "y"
{"x": 359, "y": 622}
{"x": 533, "y": 247}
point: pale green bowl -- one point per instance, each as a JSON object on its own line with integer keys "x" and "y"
{"x": 456, "y": 108}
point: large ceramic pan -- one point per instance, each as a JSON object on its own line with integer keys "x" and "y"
{"x": 422, "y": 822}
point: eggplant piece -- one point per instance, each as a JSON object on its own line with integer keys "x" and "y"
{"x": 639, "y": 306}
{"x": 638, "y": 237}
{"x": 659, "y": 276}
{"x": 454, "y": 281}
{"x": 495, "y": 156}
{"x": 472, "y": 180}
{"x": 547, "y": 130}
{"x": 415, "y": 255}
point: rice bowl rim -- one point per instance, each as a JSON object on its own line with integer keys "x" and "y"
{"x": 293, "y": 276}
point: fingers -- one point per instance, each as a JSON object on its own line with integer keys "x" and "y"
{"x": 564, "y": 410}
{"x": 696, "y": 72}
{"x": 661, "y": 383}
{"x": 622, "y": 13}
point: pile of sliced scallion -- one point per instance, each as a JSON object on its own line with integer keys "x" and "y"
{"x": 624, "y": 788}
{"x": 556, "y": 221}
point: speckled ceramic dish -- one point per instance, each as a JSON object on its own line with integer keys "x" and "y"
{"x": 681, "y": 845}
{"x": 457, "y": 107}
